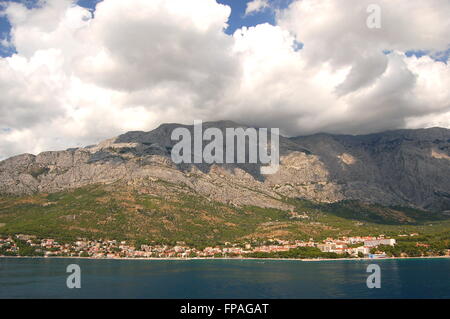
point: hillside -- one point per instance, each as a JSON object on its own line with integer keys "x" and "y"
{"x": 129, "y": 213}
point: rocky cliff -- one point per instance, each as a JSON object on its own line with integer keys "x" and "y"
{"x": 403, "y": 167}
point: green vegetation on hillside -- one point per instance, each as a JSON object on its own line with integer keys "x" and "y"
{"x": 124, "y": 213}
{"x": 299, "y": 253}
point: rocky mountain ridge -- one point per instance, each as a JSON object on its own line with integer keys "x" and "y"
{"x": 402, "y": 167}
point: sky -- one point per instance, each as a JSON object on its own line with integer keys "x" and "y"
{"x": 75, "y": 73}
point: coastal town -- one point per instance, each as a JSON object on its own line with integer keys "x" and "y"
{"x": 351, "y": 247}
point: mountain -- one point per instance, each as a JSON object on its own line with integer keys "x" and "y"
{"x": 408, "y": 168}
{"x": 327, "y": 185}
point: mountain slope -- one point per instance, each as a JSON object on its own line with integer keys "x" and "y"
{"x": 404, "y": 168}
{"x": 407, "y": 167}
{"x": 121, "y": 212}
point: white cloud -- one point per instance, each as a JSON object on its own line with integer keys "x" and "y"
{"x": 336, "y": 31}
{"x": 380, "y": 91}
{"x": 256, "y": 6}
{"x": 77, "y": 79}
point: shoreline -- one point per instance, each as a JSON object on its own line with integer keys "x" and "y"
{"x": 225, "y": 258}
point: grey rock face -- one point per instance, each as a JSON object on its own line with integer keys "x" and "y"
{"x": 403, "y": 167}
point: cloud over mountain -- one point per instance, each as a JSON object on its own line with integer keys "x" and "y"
{"x": 80, "y": 76}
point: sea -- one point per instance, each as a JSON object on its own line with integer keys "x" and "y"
{"x": 225, "y": 279}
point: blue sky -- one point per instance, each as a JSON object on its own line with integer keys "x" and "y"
{"x": 439, "y": 56}
{"x": 237, "y": 18}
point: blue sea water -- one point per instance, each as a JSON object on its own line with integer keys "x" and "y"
{"x": 46, "y": 278}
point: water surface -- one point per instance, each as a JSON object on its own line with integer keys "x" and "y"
{"x": 46, "y": 278}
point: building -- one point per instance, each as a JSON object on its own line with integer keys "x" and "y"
{"x": 355, "y": 251}
{"x": 377, "y": 242}
{"x": 327, "y": 248}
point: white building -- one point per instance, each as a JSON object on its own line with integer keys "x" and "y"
{"x": 377, "y": 242}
